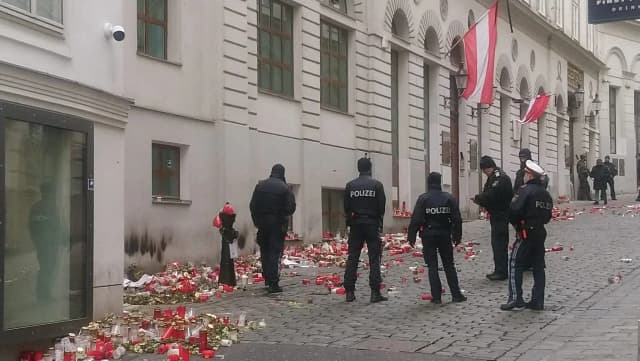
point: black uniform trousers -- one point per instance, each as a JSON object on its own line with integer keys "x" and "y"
{"x": 528, "y": 252}
{"x": 500, "y": 243}
{"x": 271, "y": 242}
{"x": 611, "y": 184}
{"x": 358, "y": 235}
{"x": 431, "y": 249}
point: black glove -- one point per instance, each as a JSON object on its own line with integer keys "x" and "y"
{"x": 456, "y": 242}
{"x": 412, "y": 243}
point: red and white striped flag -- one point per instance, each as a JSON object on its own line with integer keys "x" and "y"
{"x": 537, "y": 107}
{"x": 480, "y": 51}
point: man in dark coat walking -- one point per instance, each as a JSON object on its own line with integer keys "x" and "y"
{"x": 600, "y": 175}
{"x": 271, "y": 206}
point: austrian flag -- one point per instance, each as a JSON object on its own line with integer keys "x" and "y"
{"x": 537, "y": 107}
{"x": 480, "y": 51}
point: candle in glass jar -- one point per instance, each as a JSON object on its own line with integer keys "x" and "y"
{"x": 203, "y": 340}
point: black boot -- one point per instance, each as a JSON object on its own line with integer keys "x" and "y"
{"x": 459, "y": 298}
{"x": 274, "y": 288}
{"x": 376, "y": 296}
{"x": 496, "y": 276}
{"x": 351, "y": 296}
{"x": 534, "y": 306}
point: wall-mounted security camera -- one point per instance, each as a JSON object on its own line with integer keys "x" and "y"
{"x": 114, "y": 31}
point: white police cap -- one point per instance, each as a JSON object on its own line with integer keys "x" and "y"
{"x": 531, "y": 167}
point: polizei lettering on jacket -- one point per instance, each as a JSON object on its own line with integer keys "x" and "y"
{"x": 438, "y": 210}
{"x": 544, "y": 205}
{"x": 363, "y": 193}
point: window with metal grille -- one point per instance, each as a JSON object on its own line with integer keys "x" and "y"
{"x": 275, "y": 47}
{"x": 333, "y": 66}
{"x": 612, "y": 119}
{"x": 165, "y": 171}
{"x": 152, "y": 28}
{"x": 446, "y": 148}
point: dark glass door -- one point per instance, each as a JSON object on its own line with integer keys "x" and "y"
{"x": 46, "y": 263}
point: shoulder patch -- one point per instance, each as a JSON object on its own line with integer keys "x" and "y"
{"x": 495, "y": 183}
{"x": 497, "y": 173}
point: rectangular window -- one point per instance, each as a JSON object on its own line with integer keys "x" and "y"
{"x": 46, "y": 238}
{"x": 47, "y": 9}
{"x": 473, "y": 155}
{"x": 575, "y": 20}
{"x": 542, "y": 7}
{"x": 333, "y": 67}
{"x": 612, "y": 119}
{"x": 559, "y": 12}
{"x": 395, "y": 137}
{"x": 275, "y": 47}
{"x": 338, "y": 5}
{"x": 152, "y": 28}
{"x": 166, "y": 171}
{"x": 446, "y": 148}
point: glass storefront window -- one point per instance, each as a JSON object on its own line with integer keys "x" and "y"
{"x": 46, "y": 240}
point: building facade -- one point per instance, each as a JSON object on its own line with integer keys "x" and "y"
{"x": 139, "y": 142}
{"x": 63, "y": 116}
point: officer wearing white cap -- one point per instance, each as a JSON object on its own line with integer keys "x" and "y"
{"x": 530, "y": 211}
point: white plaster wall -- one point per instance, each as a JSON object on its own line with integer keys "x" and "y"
{"x": 186, "y": 229}
{"x": 108, "y": 220}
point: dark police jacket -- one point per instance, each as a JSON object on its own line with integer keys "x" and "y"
{"x": 519, "y": 182}
{"x": 497, "y": 194}
{"x": 272, "y": 202}
{"x": 437, "y": 215}
{"x": 531, "y": 206}
{"x": 364, "y": 201}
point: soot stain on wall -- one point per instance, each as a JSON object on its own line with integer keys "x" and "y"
{"x": 143, "y": 243}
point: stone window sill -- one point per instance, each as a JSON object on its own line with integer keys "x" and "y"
{"x": 166, "y": 61}
{"x": 171, "y": 201}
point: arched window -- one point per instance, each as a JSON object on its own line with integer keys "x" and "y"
{"x": 400, "y": 25}
{"x": 431, "y": 41}
{"x": 457, "y": 52}
{"x": 505, "y": 79}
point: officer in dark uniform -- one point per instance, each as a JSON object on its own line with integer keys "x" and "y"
{"x": 530, "y": 211}
{"x": 496, "y": 198}
{"x": 525, "y": 155}
{"x": 271, "y": 206}
{"x": 613, "y": 171}
{"x": 364, "y": 205}
{"x": 437, "y": 217}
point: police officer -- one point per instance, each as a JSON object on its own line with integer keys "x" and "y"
{"x": 530, "y": 211}
{"x": 364, "y": 204}
{"x": 437, "y": 217}
{"x": 496, "y": 198}
{"x": 271, "y": 206}
{"x": 525, "y": 155}
{"x": 613, "y": 171}
{"x": 584, "y": 191}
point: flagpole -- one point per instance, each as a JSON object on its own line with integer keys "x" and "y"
{"x": 509, "y": 15}
{"x": 486, "y": 13}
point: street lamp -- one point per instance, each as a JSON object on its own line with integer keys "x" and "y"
{"x": 596, "y": 105}
{"x": 461, "y": 80}
{"x": 579, "y": 96}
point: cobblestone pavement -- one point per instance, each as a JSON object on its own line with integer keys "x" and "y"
{"x": 586, "y": 318}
